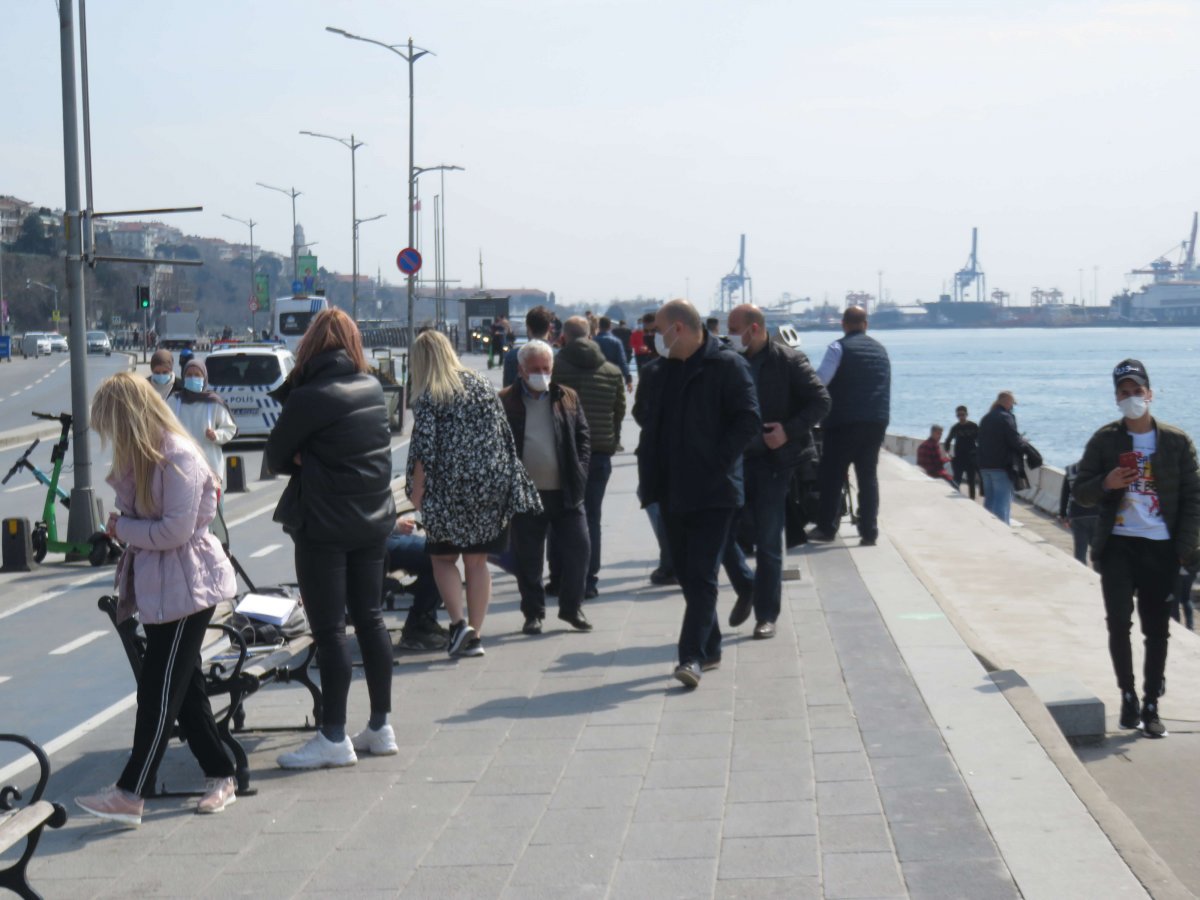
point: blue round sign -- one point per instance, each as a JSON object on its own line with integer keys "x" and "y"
{"x": 297, "y": 286}
{"x": 408, "y": 261}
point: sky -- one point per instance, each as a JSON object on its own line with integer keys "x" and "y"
{"x": 617, "y": 148}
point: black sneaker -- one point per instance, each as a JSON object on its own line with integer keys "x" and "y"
{"x": 422, "y": 640}
{"x": 821, "y": 536}
{"x": 473, "y": 647}
{"x": 1152, "y": 725}
{"x": 1131, "y": 716}
{"x": 460, "y": 632}
{"x": 533, "y": 625}
{"x": 688, "y": 674}
{"x": 591, "y": 593}
{"x": 741, "y": 609}
{"x": 661, "y": 577}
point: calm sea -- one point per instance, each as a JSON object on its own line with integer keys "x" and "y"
{"x": 1061, "y": 378}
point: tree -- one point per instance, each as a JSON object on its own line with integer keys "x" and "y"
{"x": 33, "y": 238}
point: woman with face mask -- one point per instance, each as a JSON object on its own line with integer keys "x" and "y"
{"x": 162, "y": 374}
{"x": 204, "y": 414}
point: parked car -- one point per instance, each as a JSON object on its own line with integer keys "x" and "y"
{"x": 98, "y": 342}
{"x": 35, "y": 344}
{"x": 243, "y": 374}
{"x": 58, "y": 343}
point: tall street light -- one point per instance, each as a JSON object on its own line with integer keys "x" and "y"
{"x": 440, "y": 223}
{"x": 254, "y": 309}
{"x": 358, "y": 222}
{"x": 353, "y": 146}
{"x": 413, "y": 54}
{"x": 29, "y": 282}
{"x": 293, "y": 193}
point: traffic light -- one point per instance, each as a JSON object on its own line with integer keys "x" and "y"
{"x": 143, "y": 296}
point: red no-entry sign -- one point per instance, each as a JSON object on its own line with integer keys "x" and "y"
{"x": 408, "y": 261}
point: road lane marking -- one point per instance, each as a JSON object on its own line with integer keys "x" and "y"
{"x": 4, "y": 678}
{"x": 77, "y": 643}
{"x": 14, "y": 393}
{"x": 254, "y": 515}
{"x": 29, "y": 604}
{"x": 9, "y": 772}
{"x": 270, "y": 548}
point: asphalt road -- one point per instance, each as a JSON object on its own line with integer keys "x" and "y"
{"x": 62, "y": 669}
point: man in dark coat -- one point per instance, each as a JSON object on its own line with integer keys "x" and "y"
{"x": 552, "y": 440}
{"x": 858, "y": 373}
{"x": 964, "y": 460}
{"x": 999, "y": 447}
{"x": 792, "y": 400}
{"x": 701, "y": 413}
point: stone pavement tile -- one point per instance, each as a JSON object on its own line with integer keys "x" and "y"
{"x": 357, "y": 870}
{"x": 757, "y": 732}
{"x": 687, "y": 773}
{"x": 680, "y": 721}
{"x": 916, "y": 771}
{"x": 672, "y": 840}
{"x": 431, "y": 797}
{"x": 617, "y": 737}
{"x": 679, "y": 804}
{"x": 787, "y": 760}
{"x": 565, "y": 726}
{"x": 627, "y": 713}
{"x": 449, "y": 767}
{"x": 547, "y": 865}
{"x": 68, "y": 887}
{"x": 596, "y": 791}
{"x": 514, "y": 751}
{"x": 583, "y": 826}
{"x": 847, "y": 875}
{"x": 832, "y": 717}
{"x": 932, "y": 824}
{"x": 859, "y": 833}
{"x": 914, "y": 741}
{"x": 437, "y": 883}
{"x": 847, "y": 798}
{"x": 692, "y": 746}
{"x": 675, "y": 879}
{"x": 798, "y": 888}
{"x": 287, "y": 853}
{"x": 748, "y": 787}
{"x": 450, "y": 741}
{"x": 769, "y": 857}
{"x": 514, "y": 810}
{"x": 254, "y": 883}
{"x": 534, "y": 778}
{"x": 588, "y": 763}
{"x": 477, "y": 844}
{"x": 831, "y": 695}
{"x": 836, "y": 740}
{"x": 757, "y": 706}
{"x": 772, "y": 819}
{"x": 554, "y": 892}
{"x": 946, "y": 879}
{"x": 852, "y": 766}
{"x": 185, "y": 876}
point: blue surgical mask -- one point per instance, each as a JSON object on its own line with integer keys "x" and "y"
{"x": 193, "y": 384}
{"x": 161, "y": 377}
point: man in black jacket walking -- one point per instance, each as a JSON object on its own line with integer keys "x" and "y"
{"x": 858, "y": 373}
{"x": 552, "y": 440}
{"x": 701, "y": 413}
{"x": 792, "y": 400}
{"x": 965, "y": 456}
{"x": 999, "y": 447}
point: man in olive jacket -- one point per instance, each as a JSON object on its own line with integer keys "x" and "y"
{"x": 793, "y": 400}
{"x": 1142, "y": 474}
{"x": 581, "y": 366}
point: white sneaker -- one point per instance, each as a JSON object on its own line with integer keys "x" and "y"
{"x": 319, "y": 753}
{"x": 377, "y": 743}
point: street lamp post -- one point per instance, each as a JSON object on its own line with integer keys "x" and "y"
{"x": 353, "y": 146}
{"x": 49, "y": 287}
{"x": 413, "y": 54}
{"x": 254, "y": 309}
{"x": 440, "y": 222}
{"x": 293, "y": 193}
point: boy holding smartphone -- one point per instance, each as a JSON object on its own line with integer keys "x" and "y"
{"x": 1143, "y": 476}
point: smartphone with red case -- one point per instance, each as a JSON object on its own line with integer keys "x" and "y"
{"x": 1128, "y": 460}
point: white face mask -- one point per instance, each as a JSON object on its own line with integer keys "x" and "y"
{"x": 739, "y": 342}
{"x": 660, "y": 344}
{"x": 538, "y": 382}
{"x": 1134, "y": 407}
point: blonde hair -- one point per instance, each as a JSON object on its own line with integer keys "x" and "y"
{"x": 129, "y": 413}
{"x": 436, "y": 369}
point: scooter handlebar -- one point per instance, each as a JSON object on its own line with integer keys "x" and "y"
{"x": 53, "y": 417}
{"x": 22, "y": 462}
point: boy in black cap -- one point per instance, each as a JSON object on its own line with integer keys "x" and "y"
{"x": 1143, "y": 476}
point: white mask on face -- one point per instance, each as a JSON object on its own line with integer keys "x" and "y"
{"x": 739, "y": 342}
{"x": 1134, "y": 407}
{"x": 660, "y": 344}
{"x": 538, "y": 382}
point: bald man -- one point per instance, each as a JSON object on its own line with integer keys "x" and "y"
{"x": 858, "y": 374}
{"x": 700, "y": 411}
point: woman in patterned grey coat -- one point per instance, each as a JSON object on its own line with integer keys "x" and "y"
{"x": 465, "y": 479}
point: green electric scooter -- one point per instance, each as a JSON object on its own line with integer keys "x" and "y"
{"x": 99, "y": 548}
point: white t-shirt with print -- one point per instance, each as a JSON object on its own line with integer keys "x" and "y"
{"x": 1140, "y": 513}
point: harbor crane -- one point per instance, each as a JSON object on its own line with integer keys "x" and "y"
{"x": 969, "y": 281}
{"x": 737, "y": 282}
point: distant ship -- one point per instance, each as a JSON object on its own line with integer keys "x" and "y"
{"x": 1171, "y": 298}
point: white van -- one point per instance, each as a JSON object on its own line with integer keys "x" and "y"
{"x": 243, "y": 375}
{"x": 292, "y": 316}
{"x": 35, "y": 344}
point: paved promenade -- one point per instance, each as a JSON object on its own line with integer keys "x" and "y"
{"x": 865, "y": 752}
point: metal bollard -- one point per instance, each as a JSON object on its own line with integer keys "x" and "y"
{"x": 235, "y": 475}
{"x": 264, "y": 471}
{"x": 17, "y": 546}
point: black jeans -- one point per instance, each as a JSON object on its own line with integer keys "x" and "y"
{"x": 334, "y": 580}
{"x": 172, "y": 687}
{"x": 697, "y": 541}
{"x": 856, "y": 444}
{"x": 569, "y": 527}
{"x": 599, "y": 471}
{"x": 763, "y": 516}
{"x": 968, "y": 470}
{"x": 1149, "y": 569}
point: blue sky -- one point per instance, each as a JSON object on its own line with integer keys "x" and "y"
{"x": 619, "y": 148}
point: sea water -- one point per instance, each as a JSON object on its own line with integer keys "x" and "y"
{"x": 1062, "y": 378}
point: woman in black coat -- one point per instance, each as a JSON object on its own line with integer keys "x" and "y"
{"x": 333, "y": 438}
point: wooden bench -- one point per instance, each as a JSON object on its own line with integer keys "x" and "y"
{"x": 26, "y": 823}
{"x": 234, "y": 674}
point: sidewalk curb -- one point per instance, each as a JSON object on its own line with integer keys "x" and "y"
{"x": 1147, "y": 866}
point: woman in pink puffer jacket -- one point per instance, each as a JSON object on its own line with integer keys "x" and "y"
{"x": 173, "y": 574}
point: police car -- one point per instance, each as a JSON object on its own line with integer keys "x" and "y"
{"x": 243, "y": 375}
